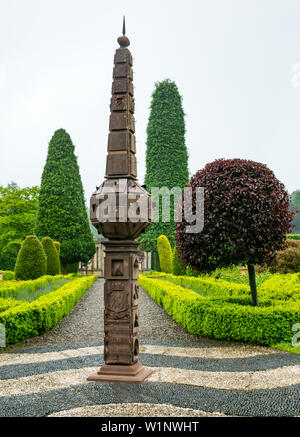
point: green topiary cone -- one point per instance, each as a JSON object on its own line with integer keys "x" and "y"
{"x": 53, "y": 264}
{"x": 57, "y": 247}
{"x": 31, "y": 261}
{"x": 61, "y": 211}
{"x": 165, "y": 254}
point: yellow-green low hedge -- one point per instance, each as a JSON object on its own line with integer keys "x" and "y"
{"x": 279, "y": 286}
{"x": 6, "y": 304}
{"x": 12, "y": 287}
{"x": 293, "y": 236}
{"x": 226, "y": 317}
{"x": 28, "y": 319}
{"x": 209, "y": 286}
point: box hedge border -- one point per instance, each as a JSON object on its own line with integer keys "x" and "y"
{"x": 27, "y": 320}
{"x": 225, "y": 317}
{"x": 8, "y": 275}
{"x": 293, "y": 236}
{"x": 279, "y": 286}
{"x": 12, "y": 287}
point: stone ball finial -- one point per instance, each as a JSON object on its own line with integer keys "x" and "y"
{"x": 123, "y": 40}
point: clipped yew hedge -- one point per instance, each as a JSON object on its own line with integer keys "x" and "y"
{"x": 23, "y": 319}
{"x": 8, "y": 275}
{"x": 6, "y": 304}
{"x": 229, "y": 316}
{"x": 31, "y": 260}
{"x": 51, "y": 252}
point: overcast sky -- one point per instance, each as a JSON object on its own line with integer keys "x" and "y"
{"x": 234, "y": 62}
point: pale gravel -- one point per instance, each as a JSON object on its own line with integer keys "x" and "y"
{"x": 260, "y": 380}
{"x": 134, "y": 410}
{"x": 188, "y": 352}
{"x": 85, "y": 324}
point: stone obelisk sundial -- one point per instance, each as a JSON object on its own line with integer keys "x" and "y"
{"x": 121, "y": 210}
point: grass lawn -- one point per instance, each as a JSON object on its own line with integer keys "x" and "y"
{"x": 287, "y": 347}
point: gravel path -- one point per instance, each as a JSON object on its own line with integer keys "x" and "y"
{"x": 193, "y": 376}
{"x": 85, "y": 322}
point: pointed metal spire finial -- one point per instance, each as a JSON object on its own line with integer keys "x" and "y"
{"x": 124, "y": 28}
{"x": 123, "y": 40}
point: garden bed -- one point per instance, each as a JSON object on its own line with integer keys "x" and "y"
{"x": 28, "y": 318}
{"x": 29, "y": 294}
{"x": 223, "y": 310}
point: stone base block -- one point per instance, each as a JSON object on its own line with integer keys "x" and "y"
{"x": 117, "y": 373}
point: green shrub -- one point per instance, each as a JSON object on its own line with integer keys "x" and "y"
{"x": 70, "y": 268}
{"x": 31, "y": 260}
{"x": 282, "y": 287}
{"x": 62, "y": 215}
{"x": 166, "y": 157}
{"x": 293, "y": 236}
{"x": 155, "y": 261}
{"x": 57, "y": 247}
{"x": 233, "y": 274}
{"x": 164, "y": 253}
{"x": 26, "y": 320}
{"x": 225, "y": 317}
{"x": 6, "y": 304}
{"x": 8, "y": 275}
{"x": 191, "y": 272}
{"x": 52, "y": 256}
{"x": 178, "y": 269}
{"x": 287, "y": 260}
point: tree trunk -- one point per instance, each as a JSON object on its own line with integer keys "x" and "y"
{"x": 69, "y": 268}
{"x": 155, "y": 264}
{"x": 252, "y": 282}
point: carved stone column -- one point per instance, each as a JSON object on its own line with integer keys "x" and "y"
{"x": 121, "y": 211}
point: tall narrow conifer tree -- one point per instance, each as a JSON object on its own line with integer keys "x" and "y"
{"x": 61, "y": 212}
{"x": 166, "y": 155}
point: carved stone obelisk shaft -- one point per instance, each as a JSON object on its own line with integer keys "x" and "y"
{"x": 111, "y": 211}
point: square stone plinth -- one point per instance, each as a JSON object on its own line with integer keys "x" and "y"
{"x": 134, "y": 373}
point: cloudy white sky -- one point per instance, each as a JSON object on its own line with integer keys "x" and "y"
{"x": 234, "y": 62}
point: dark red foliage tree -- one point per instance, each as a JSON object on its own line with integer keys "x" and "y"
{"x": 246, "y": 218}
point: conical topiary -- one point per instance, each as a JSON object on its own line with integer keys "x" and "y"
{"x": 61, "y": 211}
{"x": 166, "y": 156}
{"x": 52, "y": 256}
{"x": 31, "y": 260}
{"x": 57, "y": 247}
{"x": 165, "y": 254}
